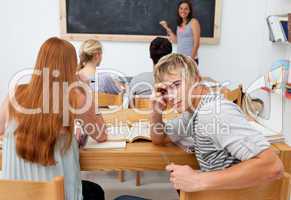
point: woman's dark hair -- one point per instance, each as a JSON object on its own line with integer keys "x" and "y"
{"x": 190, "y": 16}
{"x": 159, "y": 48}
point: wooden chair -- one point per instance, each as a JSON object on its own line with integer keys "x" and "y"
{"x": 276, "y": 190}
{"x": 234, "y": 95}
{"x": 30, "y": 190}
{"x": 141, "y": 102}
{"x": 129, "y": 115}
{"x": 106, "y": 99}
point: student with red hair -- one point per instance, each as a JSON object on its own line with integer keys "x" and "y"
{"x": 37, "y": 123}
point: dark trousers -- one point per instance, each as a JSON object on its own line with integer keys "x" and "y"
{"x": 92, "y": 191}
{"x": 127, "y": 197}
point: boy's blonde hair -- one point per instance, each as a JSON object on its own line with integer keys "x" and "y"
{"x": 88, "y": 50}
{"x": 172, "y": 62}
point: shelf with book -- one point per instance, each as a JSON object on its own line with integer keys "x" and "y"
{"x": 289, "y": 28}
{"x": 280, "y": 28}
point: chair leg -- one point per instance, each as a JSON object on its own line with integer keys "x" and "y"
{"x": 121, "y": 175}
{"x": 137, "y": 178}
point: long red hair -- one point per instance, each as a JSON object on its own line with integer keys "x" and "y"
{"x": 36, "y": 134}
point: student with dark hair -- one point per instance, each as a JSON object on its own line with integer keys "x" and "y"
{"x": 142, "y": 83}
{"x": 187, "y": 35}
{"x": 159, "y": 47}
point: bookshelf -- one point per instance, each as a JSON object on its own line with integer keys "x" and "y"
{"x": 289, "y": 27}
{"x": 280, "y": 28}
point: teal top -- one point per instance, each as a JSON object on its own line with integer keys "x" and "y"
{"x": 67, "y": 165}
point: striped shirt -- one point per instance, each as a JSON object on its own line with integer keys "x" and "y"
{"x": 221, "y": 134}
{"x": 208, "y": 156}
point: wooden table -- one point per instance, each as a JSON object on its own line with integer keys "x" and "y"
{"x": 146, "y": 156}
{"x": 136, "y": 156}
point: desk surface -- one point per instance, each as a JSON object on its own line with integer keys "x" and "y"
{"x": 146, "y": 156}
{"x": 136, "y": 156}
{"x": 142, "y": 156}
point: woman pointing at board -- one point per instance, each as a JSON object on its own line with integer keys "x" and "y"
{"x": 188, "y": 31}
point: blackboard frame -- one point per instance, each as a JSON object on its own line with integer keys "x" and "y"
{"x": 133, "y": 38}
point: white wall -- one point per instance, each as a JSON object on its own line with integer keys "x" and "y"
{"x": 243, "y": 54}
{"x": 287, "y": 108}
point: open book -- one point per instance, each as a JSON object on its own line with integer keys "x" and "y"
{"x": 91, "y": 144}
{"x": 129, "y": 132}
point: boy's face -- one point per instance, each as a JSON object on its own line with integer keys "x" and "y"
{"x": 177, "y": 90}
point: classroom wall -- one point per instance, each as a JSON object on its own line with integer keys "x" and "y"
{"x": 243, "y": 54}
{"x": 287, "y": 108}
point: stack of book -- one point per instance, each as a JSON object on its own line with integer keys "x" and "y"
{"x": 289, "y": 27}
{"x": 278, "y": 27}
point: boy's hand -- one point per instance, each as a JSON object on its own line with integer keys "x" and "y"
{"x": 159, "y": 100}
{"x": 184, "y": 178}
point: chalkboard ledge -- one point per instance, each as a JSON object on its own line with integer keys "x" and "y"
{"x": 124, "y": 38}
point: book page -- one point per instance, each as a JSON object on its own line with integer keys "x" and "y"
{"x": 118, "y": 133}
{"x": 92, "y": 144}
{"x": 140, "y": 130}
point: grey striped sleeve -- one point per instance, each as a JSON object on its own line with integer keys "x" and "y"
{"x": 230, "y": 130}
{"x": 176, "y": 129}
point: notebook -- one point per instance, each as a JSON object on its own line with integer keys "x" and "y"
{"x": 92, "y": 144}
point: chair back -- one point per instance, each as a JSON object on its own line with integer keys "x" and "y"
{"x": 31, "y": 190}
{"x": 141, "y": 102}
{"x": 268, "y": 191}
{"x": 106, "y": 99}
{"x": 235, "y": 95}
